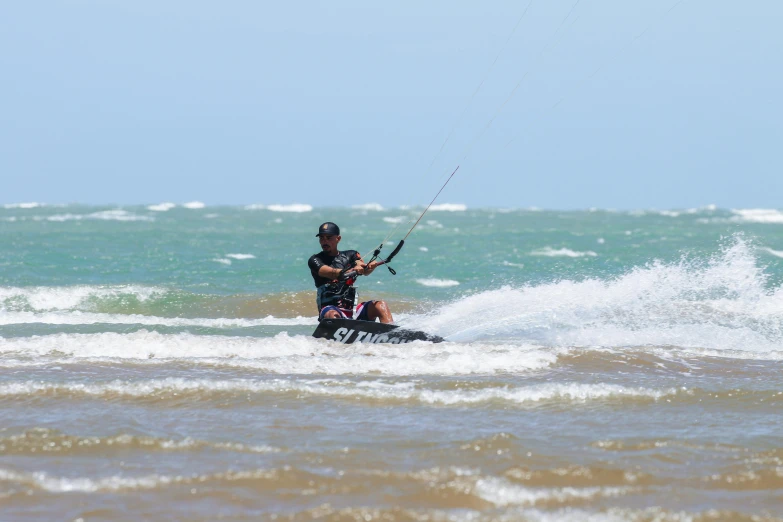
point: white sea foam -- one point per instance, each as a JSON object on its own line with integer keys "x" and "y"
{"x": 561, "y": 252}
{"x": 614, "y": 514}
{"x": 517, "y": 265}
{"x": 448, "y": 207}
{"x": 125, "y": 483}
{"x": 669, "y": 213}
{"x": 395, "y": 220}
{"x": 63, "y": 217}
{"x": 367, "y": 390}
{"x": 721, "y": 304}
{"x": 241, "y": 256}
{"x": 758, "y": 215}
{"x": 105, "y": 215}
{"x": 501, "y": 492}
{"x": 118, "y": 215}
{"x": 48, "y": 298}
{"x": 222, "y": 261}
{"x": 282, "y": 354}
{"x": 161, "y": 207}
{"x": 194, "y": 205}
{"x": 46, "y": 482}
{"x": 23, "y": 205}
{"x": 424, "y": 249}
{"x": 121, "y": 483}
{"x": 437, "y": 283}
{"x": 80, "y": 318}
{"x": 296, "y": 207}
{"x": 375, "y": 207}
{"x": 123, "y": 441}
{"x": 776, "y": 253}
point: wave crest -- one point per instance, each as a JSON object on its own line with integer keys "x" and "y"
{"x": 721, "y": 303}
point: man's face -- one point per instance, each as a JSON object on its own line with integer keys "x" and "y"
{"x": 329, "y": 243}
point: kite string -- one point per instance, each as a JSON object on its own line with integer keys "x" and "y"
{"x": 469, "y": 147}
{"x": 480, "y": 85}
{"x": 431, "y": 202}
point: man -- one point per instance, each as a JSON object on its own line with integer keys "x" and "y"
{"x": 334, "y": 272}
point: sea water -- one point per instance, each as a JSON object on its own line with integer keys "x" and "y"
{"x": 156, "y": 363}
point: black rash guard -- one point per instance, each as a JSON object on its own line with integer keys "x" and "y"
{"x": 343, "y": 259}
{"x": 330, "y": 292}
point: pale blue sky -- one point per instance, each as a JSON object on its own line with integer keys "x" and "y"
{"x": 336, "y": 103}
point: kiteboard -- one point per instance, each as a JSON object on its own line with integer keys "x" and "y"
{"x": 349, "y": 331}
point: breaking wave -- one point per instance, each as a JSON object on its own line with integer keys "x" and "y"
{"x": 296, "y": 207}
{"x": 161, "y": 207}
{"x": 83, "y": 318}
{"x": 758, "y": 215}
{"x": 449, "y": 207}
{"x": 194, "y": 389}
{"x": 375, "y": 207}
{"x": 437, "y": 283}
{"x": 281, "y": 354}
{"x": 722, "y": 303}
{"x": 49, "y": 298}
{"x": 104, "y": 215}
{"x": 135, "y": 301}
{"x": 23, "y": 205}
{"x": 52, "y": 441}
{"x": 561, "y": 252}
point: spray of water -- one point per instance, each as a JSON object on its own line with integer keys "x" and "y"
{"x": 724, "y": 302}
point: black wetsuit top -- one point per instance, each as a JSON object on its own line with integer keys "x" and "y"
{"x": 336, "y": 293}
{"x": 343, "y": 259}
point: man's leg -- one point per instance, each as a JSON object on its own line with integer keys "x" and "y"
{"x": 330, "y": 312}
{"x": 379, "y": 310}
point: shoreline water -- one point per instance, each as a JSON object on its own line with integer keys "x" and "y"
{"x": 597, "y": 366}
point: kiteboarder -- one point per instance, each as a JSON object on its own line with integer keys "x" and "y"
{"x": 334, "y": 272}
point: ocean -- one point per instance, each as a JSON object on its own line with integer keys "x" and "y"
{"x": 156, "y": 363}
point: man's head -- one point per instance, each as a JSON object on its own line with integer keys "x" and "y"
{"x": 328, "y": 236}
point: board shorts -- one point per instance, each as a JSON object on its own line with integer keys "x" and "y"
{"x": 361, "y": 312}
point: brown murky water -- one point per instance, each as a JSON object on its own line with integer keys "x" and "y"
{"x": 306, "y": 429}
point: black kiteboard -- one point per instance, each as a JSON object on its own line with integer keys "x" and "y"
{"x": 349, "y": 331}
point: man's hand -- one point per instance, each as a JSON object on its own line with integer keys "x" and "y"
{"x": 360, "y": 267}
{"x": 368, "y": 269}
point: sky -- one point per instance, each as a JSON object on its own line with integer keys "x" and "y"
{"x": 563, "y": 104}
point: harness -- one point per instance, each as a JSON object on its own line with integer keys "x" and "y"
{"x": 341, "y": 294}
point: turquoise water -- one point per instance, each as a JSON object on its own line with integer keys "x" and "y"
{"x": 156, "y": 362}
{"x": 184, "y": 251}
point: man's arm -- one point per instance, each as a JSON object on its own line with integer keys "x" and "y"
{"x": 318, "y": 268}
{"x": 327, "y": 272}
